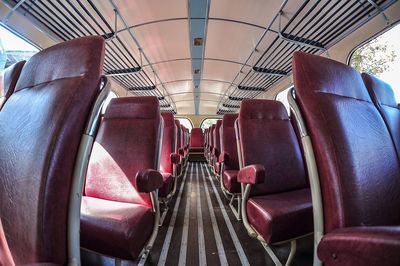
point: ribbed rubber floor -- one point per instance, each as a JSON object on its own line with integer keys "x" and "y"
{"x": 200, "y": 229}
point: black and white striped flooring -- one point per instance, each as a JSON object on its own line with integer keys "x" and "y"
{"x": 200, "y": 229}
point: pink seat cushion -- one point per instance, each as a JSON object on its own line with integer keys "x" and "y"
{"x": 273, "y": 215}
{"x": 115, "y": 229}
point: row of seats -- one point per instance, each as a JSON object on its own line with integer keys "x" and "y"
{"x": 72, "y": 178}
{"x": 265, "y": 159}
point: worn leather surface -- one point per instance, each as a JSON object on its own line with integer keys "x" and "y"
{"x": 8, "y": 80}
{"x": 217, "y": 142}
{"x": 127, "y": 142}
{"x": 267, "y": 138}
{"x": 149, "y": 180}
{"x": 175, "y": 158}
{"x": 282, "y": 216}
{"x": 372, "y": 245}
{"x": 196, "y": 138}
{"x": 229, "y": 179}
{"x": 252, "y": 174}
{"x": 228, "y": 141}
{"x": 168, "y": 142}
{"x": 382, "y": 96}
{"x": 357, "y": 162}
{"x": 116, "y": 229}
{"x": 41, "y": 125}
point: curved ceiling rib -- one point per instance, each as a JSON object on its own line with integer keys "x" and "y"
{"x": 188, "y": 59}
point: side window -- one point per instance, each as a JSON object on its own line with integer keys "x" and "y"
{"x": 13, "y": 48}
{"x": 186, "y": 123}
{"x": 282, "y": 97}
{"x": 381, "y": 57}
{"x": 208, "y": 122}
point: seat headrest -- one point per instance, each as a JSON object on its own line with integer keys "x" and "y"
{"x": 327, "y": 76}
{"x": 196, "y": 130}
{"x": 218, "y": 123}
{"x": 229, "y": 120}
{"x": 168, "y": 119}
{"x": 146, "y": 107}
{"x": 380, "y": 91}
{"x": 9, "y": 78}
{"x": 76, "y": 58}
{"x": 262, "y": 110}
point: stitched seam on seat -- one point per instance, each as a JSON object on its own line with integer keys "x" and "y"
{"x": 344, "y": 96}
{"x": 49, "y": 81}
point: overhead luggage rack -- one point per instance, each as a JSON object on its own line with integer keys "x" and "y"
{"x": 66, "y": 20}
{"x": 313, "y": 27}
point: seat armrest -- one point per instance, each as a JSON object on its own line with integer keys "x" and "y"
{"x": 175, "y": 158}
{"x": 252, "y": 174}
{"x": 148, "y": 180}
{"x": 364, "y": 245}
{"x": 223, "y": 157}
{"x": 181, "y": 152}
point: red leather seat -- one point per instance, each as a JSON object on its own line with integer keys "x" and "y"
{"x": 169, "y": 159}
{"x": 117, "y": 216}
{"x": 273, "y": 172}
{"x": 229, "y": 155}
{"x": 179, "y": 150}
{"x": 217, "y": 146}
{"x": 41, "y": 126}
{"x": 196, "y": 140}
{"x": 211, "y": 145}
{"x": 359, "y": 171}
{"x": 382, "y": 96}
{"x": 8, "y": 80}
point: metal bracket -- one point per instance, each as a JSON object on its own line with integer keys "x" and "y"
{"x": 10, "y": 13}
{"x": 301, "y": 41}
{"x": 380, "y": 10}
{"x": 115, "y": 27}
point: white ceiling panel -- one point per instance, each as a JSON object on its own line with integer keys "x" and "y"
{"x": 186, "y": 107}
{"x": 230, "y": 41}
{"x": 144, "y": 11}
{"x": 258, "y": 12}
{"x": 164, "y": 41}
{"x": 207, "y": 108}
{"x": 182, "y": 97}
{"x": 170, "y": 71}
{"x": 223, "y": 71}
{"x": 179, "y": 86}
{"x": 213, "y": 86}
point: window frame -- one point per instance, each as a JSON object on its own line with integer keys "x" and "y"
{"x": 187, "y": 118}
{"x": 208, "y": 117}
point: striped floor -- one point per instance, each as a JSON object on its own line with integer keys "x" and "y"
{"x": 200, "y": 229}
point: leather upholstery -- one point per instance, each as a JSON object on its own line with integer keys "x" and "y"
{"x": 178, "y": 136}
{"x": 252, "y": 174}
{"x": 373, "y": 245}
{"x": 8, "y": 80}
{"x": 357, "y": 163}
{"x": 230, "y": 182}
{"x": 383, "y": 97}
{"x": 115, "y": 228}
{"x": 273, "y": 215}
{"x": 196, "y": 138}
{"x": 168, "y": 184}
{"x": 127, "y": 142}
{"x": 116, "y": 217}
{"x": 41, "y": 125}
{"x": 267, "y": 138}
{"x": 168, "y": 142}
{"x": 228, "y": 142}
{"x": 217, "y": 142}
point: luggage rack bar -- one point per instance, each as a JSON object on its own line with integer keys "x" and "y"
{"x": 322, "y": 25}
{"x": 125, "y": 71}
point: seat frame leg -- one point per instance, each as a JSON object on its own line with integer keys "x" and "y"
{"x": 236, "y": 211}
{"x": 277, "y": 262}
{"x": 164, "y": 213}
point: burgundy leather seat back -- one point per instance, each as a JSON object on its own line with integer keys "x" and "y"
{"x": 211, "y": 135}
{"x": 216, "y": 137}
{"x": 357, "y": 163}
{"x": 8, "y": 80}
{"x": 267, "y": 138}
{"x": 182, "y": 136}
{"x": 196, "y": 137}
{"x": 383, "y": 97}
{"x": 41, "y": 127}
{"x": 168, "y": 142}
{"x": 178, "y": 135}
{"x": 128, "y": 141}
{"x": 228, "y": 141}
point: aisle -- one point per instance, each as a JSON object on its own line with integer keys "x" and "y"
{"x": 200, "y": 228}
